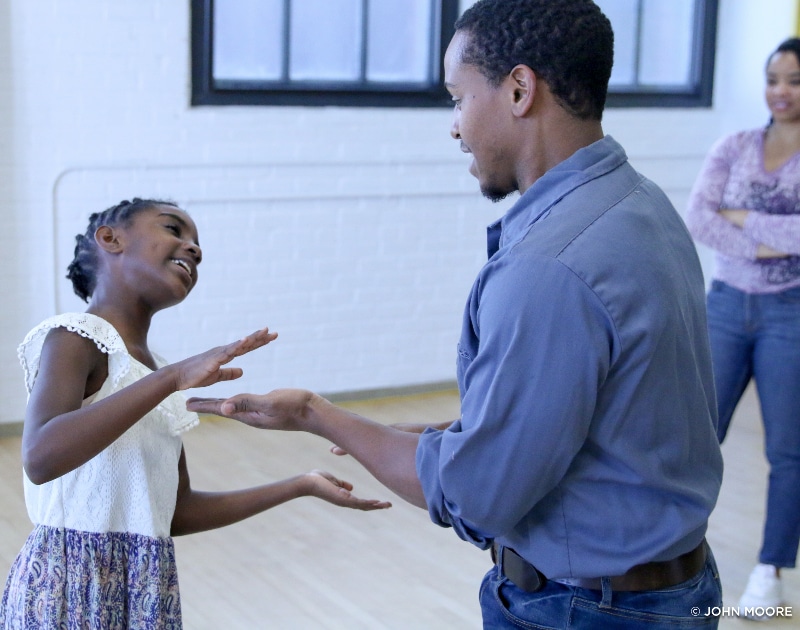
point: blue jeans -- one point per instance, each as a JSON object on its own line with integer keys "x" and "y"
{"x": 561, "y": 607}
{"x": 758, "y": 336}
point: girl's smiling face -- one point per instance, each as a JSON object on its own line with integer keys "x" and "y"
{"x": 160, "y": 250}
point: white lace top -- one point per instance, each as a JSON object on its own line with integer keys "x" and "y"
{"x": 130, "y": 486}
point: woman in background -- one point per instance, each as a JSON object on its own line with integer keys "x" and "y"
{"x": 745, "y": 205}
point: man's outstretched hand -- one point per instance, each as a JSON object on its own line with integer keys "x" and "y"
{"x": 282, "y": 409}
{"x": 386, "y": 452}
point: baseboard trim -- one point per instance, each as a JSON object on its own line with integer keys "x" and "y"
{"x": 392, "y": 392}
{"x": 10, "y": 429}
{"x": 14, "y": 429}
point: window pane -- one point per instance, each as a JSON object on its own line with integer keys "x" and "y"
{"x": 248, "y": 38}
{"x": 399, "y": 40}
{"x": 667, "y": 32}
{"x": 325, "y": 40}
{"x": 624, "y": 18}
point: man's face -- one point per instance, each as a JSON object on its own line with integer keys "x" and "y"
{"x": 480, "y": 123}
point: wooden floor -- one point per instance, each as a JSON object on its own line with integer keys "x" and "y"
{"x": 307, "y": 565}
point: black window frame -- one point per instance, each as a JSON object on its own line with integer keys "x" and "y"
{"x": 208, "y": 91}
{"x": 700, "y": 92}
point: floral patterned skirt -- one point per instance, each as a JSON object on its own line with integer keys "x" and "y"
{"x": 70, "y": 580}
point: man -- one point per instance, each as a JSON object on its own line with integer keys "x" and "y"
{"x": 586, "y": 455}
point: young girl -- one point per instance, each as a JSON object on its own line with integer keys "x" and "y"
{"x": 106, "y": 481}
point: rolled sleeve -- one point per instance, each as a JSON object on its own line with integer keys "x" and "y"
{"x": 428, "y": 455}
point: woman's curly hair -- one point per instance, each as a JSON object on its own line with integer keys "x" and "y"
{"x": 82, "y": 271}
{"x": 569, "y": 44}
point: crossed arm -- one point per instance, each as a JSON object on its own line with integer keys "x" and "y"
{"x": 737, "y": 218}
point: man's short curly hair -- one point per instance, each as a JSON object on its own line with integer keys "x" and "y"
{"x": 569, "y": 44}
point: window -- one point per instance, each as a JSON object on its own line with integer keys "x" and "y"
{"x": 320, "y": 52}
{"x": 663, "y": 52}
{"x": 389, "y": 53}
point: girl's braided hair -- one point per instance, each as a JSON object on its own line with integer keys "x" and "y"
{"x": 82, "y": 271}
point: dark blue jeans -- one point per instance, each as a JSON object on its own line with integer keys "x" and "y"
{"x": 557, "y": 606}
{"x": 758, "y": 336}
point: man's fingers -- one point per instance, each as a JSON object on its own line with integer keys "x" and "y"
{"x": 370, "y": 504}
{"x": 205, "y": 405}
{"x": 229, "y": 407}
{"x": 237, "y": 406}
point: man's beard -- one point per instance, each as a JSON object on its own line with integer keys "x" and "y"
{"x": 495, "y": 194}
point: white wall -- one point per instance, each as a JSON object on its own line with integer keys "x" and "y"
{"x": 355, "y": 233}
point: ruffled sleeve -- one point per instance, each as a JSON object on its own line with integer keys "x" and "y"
{"x": 103, "y": 334}
{"x": 122, "y": 369}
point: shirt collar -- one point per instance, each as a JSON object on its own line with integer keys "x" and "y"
{"x": 582, "y": 166}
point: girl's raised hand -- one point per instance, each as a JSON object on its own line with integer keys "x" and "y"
{"x": 207, "y": 368}
{"x": 325, "y": 486}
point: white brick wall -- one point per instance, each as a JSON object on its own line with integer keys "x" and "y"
{"x": 357, "y": 266}
{"x": 353, "y": 232}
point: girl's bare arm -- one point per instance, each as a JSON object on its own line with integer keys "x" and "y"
{"x": 59, "y": 435}
{"x": 197, "y": 511}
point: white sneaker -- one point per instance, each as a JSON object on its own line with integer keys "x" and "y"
{"x": 764, "y": 590}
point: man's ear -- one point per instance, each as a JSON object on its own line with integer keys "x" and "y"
{"x": 107, "y": 239}
{"x": 523, "y": 87}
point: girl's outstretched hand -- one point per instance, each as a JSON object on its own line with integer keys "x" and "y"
{"x": 206, "y": 368}
{"x": 325, "y": 486}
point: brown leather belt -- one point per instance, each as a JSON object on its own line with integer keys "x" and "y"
{"x": 650, "y": 576}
